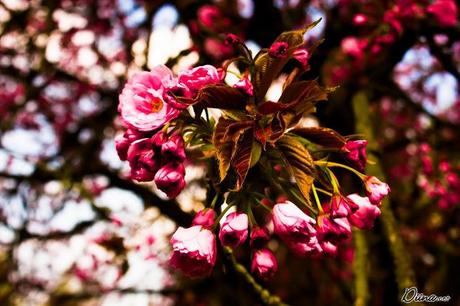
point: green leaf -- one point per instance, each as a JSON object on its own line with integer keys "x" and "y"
{"x": 237, "y": 115}
{"x": 320, "y": 135}
{"x": 256, "y": 152}
{"x": 299, "y": 162}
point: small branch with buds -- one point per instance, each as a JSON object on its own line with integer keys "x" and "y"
{"x": 265, "y": 295}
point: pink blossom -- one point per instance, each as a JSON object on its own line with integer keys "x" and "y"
{"x": 205, "y": 218}
{"x": 194, "y": 251}
{"x": 217, "y": 49}
{"x": 159, "y": 139}
{"x": 444, "y": 11}
{"x": 444, "y": 166}
{"x": 340, "y": 206}
{"x": 424, "y": 148}
{"x": 295, "y": 228}
{"x": 170, "y": 179}
{"x": 356, "y": 152}
{"x": 408, "y": 9}
{"x": 340, "y": 73}
{"x": 302, "y": 56}
{"x": 329, "y": 248}
{"x": 245, "y": 85}
{"x": 360, "y": 19}
{"x": 173, "y": 148}
{"x": 278, "y": 49}
{"x": 123, "y": 142}
{"x": 232, "y": 39}
{"x": 364, "y": 217}
{"x": 453, "y": 180}
{"x": 199, "y": 77}
{"x": 172, "y": 93}
{"x": 391, "y": 17}
{"x": 427, "y": 164}
{"x": 234, "y": 230}
{"x": 331, "y": 232}
{"x": 143, "y": 160}
{"x": 141, "y": 102}
{"x": 209, "y": 16}
{"x": 444, "y": 204}
{"x": 353, "y": 46}
{"x": 259, "y": 236}
{"x": 264, "y": 264}
{"x": 375, "y": 189}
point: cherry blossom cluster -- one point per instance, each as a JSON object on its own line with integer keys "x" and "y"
{"x": 379, "y": 31}
{"x": 147, "y": 105}
{"x": 443, "y": 183}
{"x": 251, "y": 138}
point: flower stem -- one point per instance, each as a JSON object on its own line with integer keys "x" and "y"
{"x": 334, "y": 181}
{"x": 318, "y": 203}
{"x": 324, "y": 191}
{"x": 264, "y": 206}
{"x": 332, "y": 164}
{"x": 214, "y": 201}
{"x": 235, "y": 74}
{"x": 252, "y": 219}
{"x": 222, "y": 214}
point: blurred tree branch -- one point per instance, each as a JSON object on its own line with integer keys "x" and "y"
{"x": 402, "y": 261}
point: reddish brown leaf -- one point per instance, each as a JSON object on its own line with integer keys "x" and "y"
{"x": 303, "y": 95}
{"x": 225, "y": 139}
{"x": 221, "y": 96}
{"x": 267, "y": 68}
{"x": 234, "y": 129}
{"x": 224, "y": 149}
{"x": 269, "y": 107}
{"x": 242, "y": 158}
{"x": 322, "y": 136}
{"x": 279, "y": 124}
{"x": 300, "y": 163}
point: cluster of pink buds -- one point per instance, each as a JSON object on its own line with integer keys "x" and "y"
{"x": 305, "y": 236}
{"x": 149, "y": 103}
{"x": 442, "y": 183}
{"x": 194, "y": 248}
